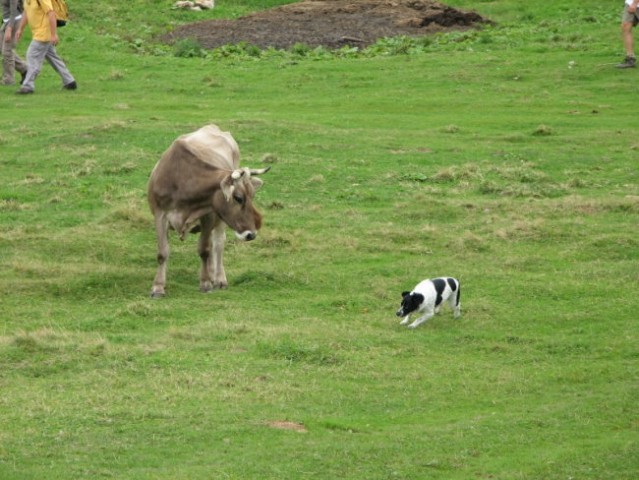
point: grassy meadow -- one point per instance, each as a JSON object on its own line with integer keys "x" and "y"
{"x": 506, "y": 157}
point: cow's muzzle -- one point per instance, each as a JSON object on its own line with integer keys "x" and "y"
{"x": 246, "y": 235}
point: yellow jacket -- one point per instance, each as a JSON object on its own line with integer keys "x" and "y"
{"x": 37, "y": 12}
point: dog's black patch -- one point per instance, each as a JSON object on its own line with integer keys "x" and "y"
{"x": 411, "y": 302}
{"x": 440, "y": 285}
{"x": 451, "y": 283}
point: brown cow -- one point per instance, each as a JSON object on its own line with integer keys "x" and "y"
{"x": 198, "y": 186}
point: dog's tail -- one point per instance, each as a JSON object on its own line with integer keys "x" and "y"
{"x": 457, "y": 300}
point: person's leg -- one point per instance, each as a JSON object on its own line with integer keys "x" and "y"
{"x": 59, "y": 66}
{"x": 35, "y": 57}
{"x": 20, "y": 65}
{"x": 8, "y": 63}
{"x": 627, "y": 23}
{"x": 628, "y": 43}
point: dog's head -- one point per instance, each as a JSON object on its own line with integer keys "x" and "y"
{"x": 410, "y": 303}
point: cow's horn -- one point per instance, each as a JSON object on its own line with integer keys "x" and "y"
{"x": 228, "y": 187}
{"x": 259, "y": 171}
{"x": 237, "y": 174}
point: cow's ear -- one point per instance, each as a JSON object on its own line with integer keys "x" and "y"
{"x": 256, "y": 182}
{"x": 228, "y": 187}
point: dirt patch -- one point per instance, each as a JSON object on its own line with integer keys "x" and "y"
{"x": 285, "y": 425}
{"x": 330, "y": 23}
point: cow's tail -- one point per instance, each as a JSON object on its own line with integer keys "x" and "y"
{"x": 458, "y": 298}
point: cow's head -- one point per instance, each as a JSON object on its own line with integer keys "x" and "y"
{"x": 235, "y": 205}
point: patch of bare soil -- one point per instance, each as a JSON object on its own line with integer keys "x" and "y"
{"x": 286, "y": 425}
{"x": 330, "y": 23}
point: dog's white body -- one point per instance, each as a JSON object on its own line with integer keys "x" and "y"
{"x": 427, "y": 298}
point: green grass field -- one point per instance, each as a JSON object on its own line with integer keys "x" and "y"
{"x": 505, "y": 157}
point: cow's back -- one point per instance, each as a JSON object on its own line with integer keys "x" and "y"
{"x": 213, "y": 146}
{"x": 188, "y": 169}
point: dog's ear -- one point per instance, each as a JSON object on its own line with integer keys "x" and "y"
{"x": 418, "y": 298}
{"x": 405, "y": 293}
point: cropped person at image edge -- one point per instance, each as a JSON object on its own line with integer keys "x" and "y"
{"x": 629, "y": 20}
{"x": 40, "y": 16}
{"x": 11, "y": 61}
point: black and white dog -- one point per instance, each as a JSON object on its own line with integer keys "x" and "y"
{"x": 427, "y": 298}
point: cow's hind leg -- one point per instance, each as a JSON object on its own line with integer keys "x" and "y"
{"x": 162, "y": 231}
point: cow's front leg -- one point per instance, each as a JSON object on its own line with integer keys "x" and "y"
{"x": 219, "y": 238}
{"x": 162, "y": 232}
{"x": 204, "y": 251}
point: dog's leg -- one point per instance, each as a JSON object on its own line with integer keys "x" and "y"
{"x": 405, "y": 320}
{"x": 458, "y": 301}
{"x": 455, "y": 304}
{"x": 451, "y": 303}
{"x": 422, "y": 319}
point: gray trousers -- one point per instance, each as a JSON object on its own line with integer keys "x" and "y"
{"x": 11, "y": 61}
{"x": 37, "y": 53}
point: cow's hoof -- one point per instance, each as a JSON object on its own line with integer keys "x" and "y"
{"x": 221, "y": 286}
{"x": 156, "y": 295}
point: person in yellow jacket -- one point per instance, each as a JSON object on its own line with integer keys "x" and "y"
{"x": 40, "y": 16}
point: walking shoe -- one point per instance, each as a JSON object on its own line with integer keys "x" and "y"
{"x": 628, "y": 62}
{"x": 71, "y": 86}
{"x": 24, "y": 91}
